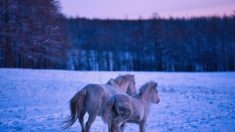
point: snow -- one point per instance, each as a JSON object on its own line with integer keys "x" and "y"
{"x": 37, "y": 100}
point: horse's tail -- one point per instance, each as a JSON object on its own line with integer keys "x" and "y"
{"x": 76, "y": 104}
{"x": 107, "y": 110}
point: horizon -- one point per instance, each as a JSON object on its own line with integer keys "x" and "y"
{"x": 145, "y": 10}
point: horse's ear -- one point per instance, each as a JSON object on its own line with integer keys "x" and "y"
{"x": 111, "y": 80}
{"x": 154, "y": 84}
{"x": 115, "y": 81}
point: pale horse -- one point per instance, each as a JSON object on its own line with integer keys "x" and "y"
{"x": 122, "y": 108}
{"x": 92, "y": 97}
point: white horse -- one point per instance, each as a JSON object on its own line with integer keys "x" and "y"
{"x": 92, "y": 97}
{"x": 121, "y": 108}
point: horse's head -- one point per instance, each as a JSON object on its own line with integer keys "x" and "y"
{"x": 155, "y": 96}
{"x": 150, "y": 92}
{"x": 127, "y": 83}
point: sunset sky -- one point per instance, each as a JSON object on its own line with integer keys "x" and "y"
{"x": 133, "y": 9}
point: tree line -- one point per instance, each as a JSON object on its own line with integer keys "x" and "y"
{"x": 157, "y": 44}
{"x": 35, "y": 34}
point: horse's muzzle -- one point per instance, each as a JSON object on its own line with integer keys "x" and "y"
{"x": 158, "y": 100}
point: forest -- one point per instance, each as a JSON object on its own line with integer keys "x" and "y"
{"x": 35, "y": 34}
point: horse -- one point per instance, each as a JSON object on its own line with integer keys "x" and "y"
{"x": 122, "y": 108}
{"x": 92, "y": 97}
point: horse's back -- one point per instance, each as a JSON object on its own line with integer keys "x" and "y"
{"x": 95, "y": 94}
{"x": 111, "y": 89}
{"x": 122, "y": 98}
{"x": 123, "y": 102}
{"x": 97, "y": 88}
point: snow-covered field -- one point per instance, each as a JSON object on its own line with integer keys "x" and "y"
{"x": 37, "y": 100}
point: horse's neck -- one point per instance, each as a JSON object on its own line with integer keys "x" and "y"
{"x": 143, "y": 98}
{"x": 124, "y": 87}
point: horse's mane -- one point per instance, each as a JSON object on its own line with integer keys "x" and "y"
{"x": 122, "y": 78}
{"x": 145, "y": 87}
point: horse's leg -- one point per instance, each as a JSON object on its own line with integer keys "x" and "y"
{"x": 109, "y": 128}
{"x": 116, "y": 124}
{"x": 115, "y": 127}
{"x": 123, "y": 126}
{"x": 142, "y": 126}
{"x": 81, "y": 118}
{"x": 91, "y": 119}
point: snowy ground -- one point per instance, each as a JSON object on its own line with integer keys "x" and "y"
{"x": 37, "y": 100}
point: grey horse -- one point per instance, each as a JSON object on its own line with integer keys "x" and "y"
{"x": 121, "y": 108}
{"x": 92, "y": 97}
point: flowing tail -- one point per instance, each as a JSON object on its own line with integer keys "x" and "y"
{"x": 76, "y": 104}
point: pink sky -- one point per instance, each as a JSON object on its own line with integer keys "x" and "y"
{"x": 133, "y": 9}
